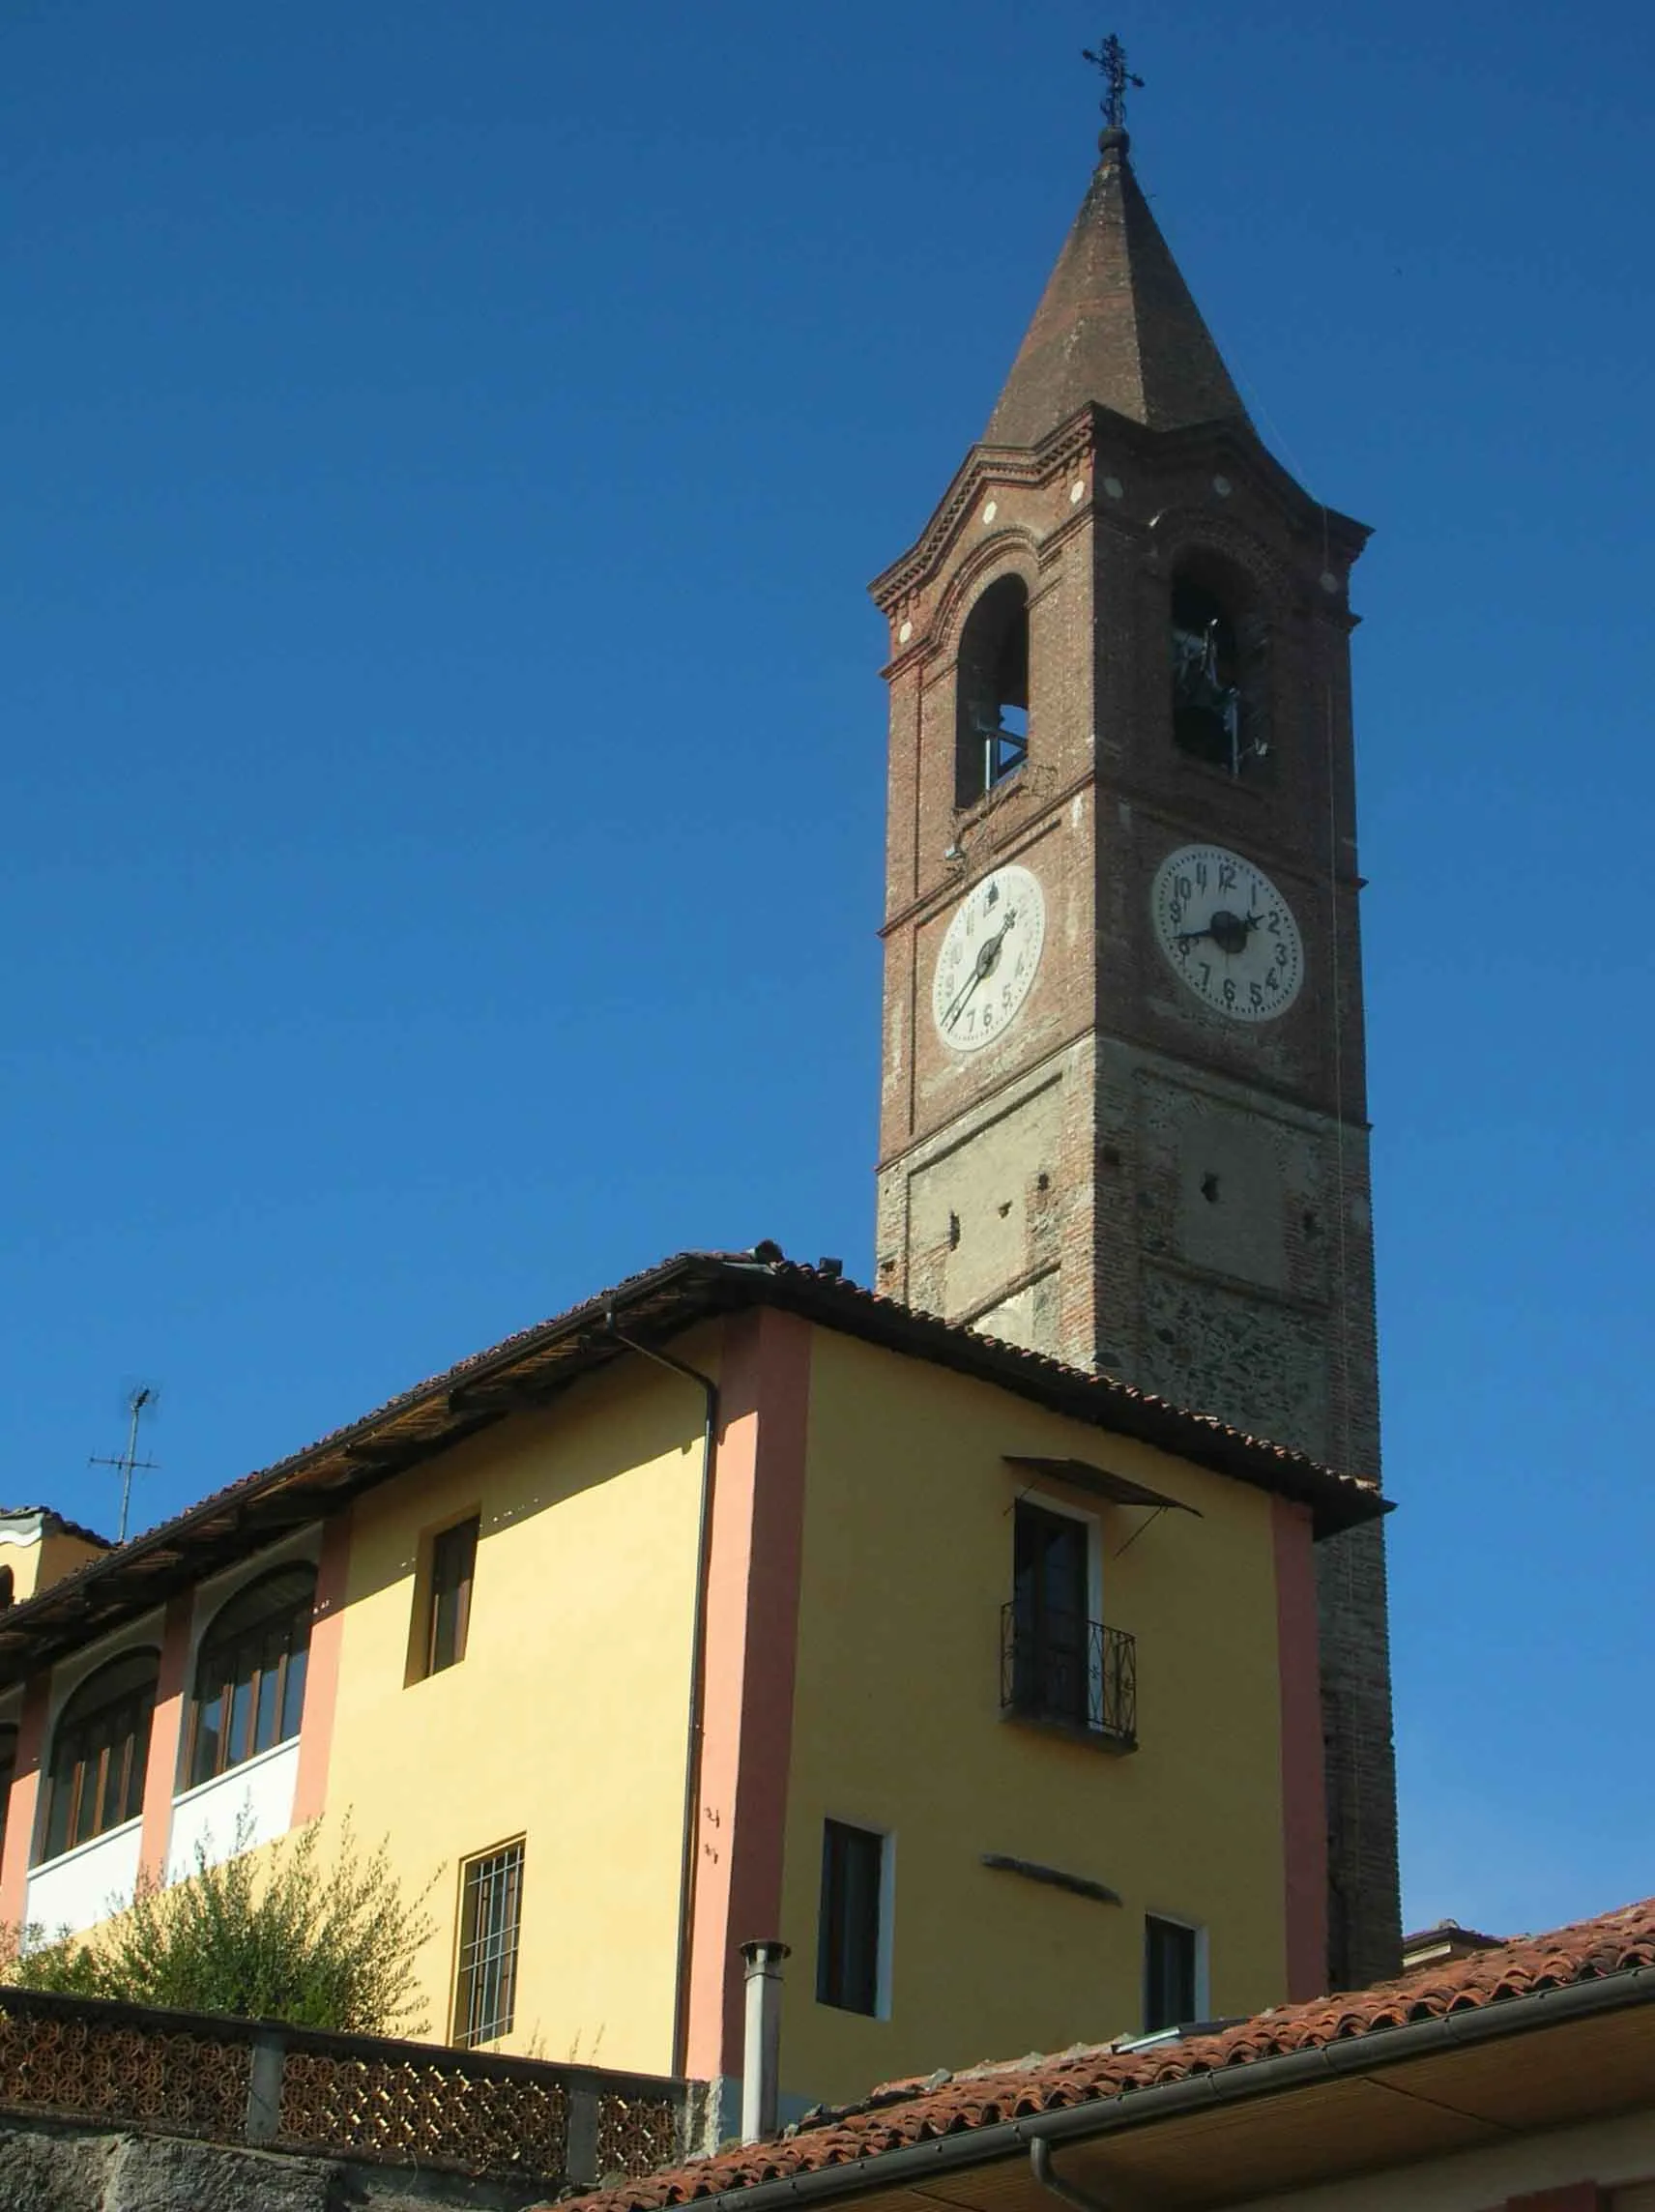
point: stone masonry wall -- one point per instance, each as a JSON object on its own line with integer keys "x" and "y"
{"x": 48, "y": 2167}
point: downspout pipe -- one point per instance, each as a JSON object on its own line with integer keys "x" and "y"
{"x": 695, "y": 1727}
{"x": 1040, "y": 2166}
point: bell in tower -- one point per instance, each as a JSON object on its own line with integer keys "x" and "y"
{"x": 1123, "y": 1117}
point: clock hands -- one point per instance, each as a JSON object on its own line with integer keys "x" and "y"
{"x": 987, "y": 961}
{"x": 1228, "y": 931}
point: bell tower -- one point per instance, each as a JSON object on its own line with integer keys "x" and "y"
{"x": 1123, "y": 1113}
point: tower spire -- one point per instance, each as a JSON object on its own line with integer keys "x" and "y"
{"x": 1117, "y": 325}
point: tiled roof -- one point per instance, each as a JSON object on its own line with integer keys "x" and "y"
{"x": 691, "y": 1287}
{"x": 902, "y": 2114}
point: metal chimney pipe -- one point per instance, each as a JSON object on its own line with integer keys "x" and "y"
{"x": 761, "y": 2056}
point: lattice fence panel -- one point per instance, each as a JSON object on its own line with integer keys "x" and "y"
{"x": 635, "y": 2134}
{"x": 425, "y": 2114}
{"x": 187, "y": 2085}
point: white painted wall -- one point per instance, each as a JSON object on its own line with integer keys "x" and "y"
{"x": 260, "y": 1791}
{"x": 86, "y": 1884}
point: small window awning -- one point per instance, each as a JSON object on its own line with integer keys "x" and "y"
{"x": 1118, "y": 1489}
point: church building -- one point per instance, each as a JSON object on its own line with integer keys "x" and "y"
{"x": 1124, "y": 1109}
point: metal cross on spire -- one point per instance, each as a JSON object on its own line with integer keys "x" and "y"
{"x": 1111, "y": 60}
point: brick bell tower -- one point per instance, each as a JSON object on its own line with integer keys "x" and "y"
{"x": 1124, "y": 1109}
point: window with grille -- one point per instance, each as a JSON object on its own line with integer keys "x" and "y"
{"x": 491, "y": 1908}
{"x": 95, "y": 1779}
{"x": 249, "y": 1680}
{"x": 847, "y": 1946}
{"x": 448, "y": 1597}
{"x": 1171, "y": 1997}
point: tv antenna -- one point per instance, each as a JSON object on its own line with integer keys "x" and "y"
{"x": 139, "y": 1400}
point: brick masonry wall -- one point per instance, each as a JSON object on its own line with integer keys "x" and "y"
{"x": 1127, "y": 1178}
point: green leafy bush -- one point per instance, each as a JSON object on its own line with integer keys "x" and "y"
{"x": 272, "y": 1936}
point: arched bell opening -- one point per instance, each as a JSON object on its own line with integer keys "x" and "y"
{"x": 991, "y": 728}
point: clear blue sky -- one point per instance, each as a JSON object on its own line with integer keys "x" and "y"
{"x": 445, "y": 448}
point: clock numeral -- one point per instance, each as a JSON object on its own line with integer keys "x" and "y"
{"x": 1258, "y": 995}
{"x": 1206, "y": 972}
{"x": 1227, "y": 875}
{"x": 1228, "y": 990}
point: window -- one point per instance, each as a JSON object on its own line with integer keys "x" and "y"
{"x": 95, "y": 1780}
{"x": 1218, "y": 679}
{"x": 448, "y": 1597}
{"x": 1058, "y": 1661}
{"x": 491, "y": 1907}
{"x": 1050, "y": 1628}
{"x": 8, "y": 1588}
{"x": 848, "y": 1944}
{"x": 991, "y": 714}
{"x": 249, "y": 1680}
{"x": 1170, "y": 1978}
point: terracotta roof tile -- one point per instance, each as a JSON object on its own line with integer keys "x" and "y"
{"x": 901, "y": 2114}
{"x": 673, "y": 1294}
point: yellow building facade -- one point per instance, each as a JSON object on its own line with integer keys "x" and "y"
{"x": 737, "y": 1604}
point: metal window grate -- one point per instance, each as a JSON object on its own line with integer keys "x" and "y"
{"x": 1060, "y": 1667}
{"x": 491, "y": 1905}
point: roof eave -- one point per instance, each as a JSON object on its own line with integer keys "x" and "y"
{"x": 533, "y": 1367}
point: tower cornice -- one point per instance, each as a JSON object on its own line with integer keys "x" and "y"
{"x": 1088, "y": 435}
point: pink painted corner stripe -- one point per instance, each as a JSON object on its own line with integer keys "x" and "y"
{"x": 322, "y": 1669}
{"x": 166, "y": 1728}
{"x": 752, "y": 1634}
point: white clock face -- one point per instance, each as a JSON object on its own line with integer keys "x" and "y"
{"x": 989, "y": 955}
{"x": 1227, "y": 933}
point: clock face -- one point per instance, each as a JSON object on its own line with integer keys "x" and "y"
{"x": 1228, "y": 932}
{"x": 989, "y": 955}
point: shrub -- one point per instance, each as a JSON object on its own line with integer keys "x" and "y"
{"x": 271, "y": 1936}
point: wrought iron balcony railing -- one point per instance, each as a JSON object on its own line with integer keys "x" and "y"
{"x": 1062, "y": 1667}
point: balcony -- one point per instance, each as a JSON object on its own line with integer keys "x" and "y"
{"x": 1069, "y": 1672}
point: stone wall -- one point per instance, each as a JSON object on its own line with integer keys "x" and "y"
{"x": 50, "y": 2166}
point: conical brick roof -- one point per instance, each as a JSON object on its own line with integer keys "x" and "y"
{"x": 1116, "y": 326}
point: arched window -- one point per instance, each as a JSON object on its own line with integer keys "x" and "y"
{"x": 991, "y": 715}
{"x": 8, "y": 1588}
{"x": 249, "y": 1680}
{"x": 96, "y": 1778}
{"x": 1220, "y": 708}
